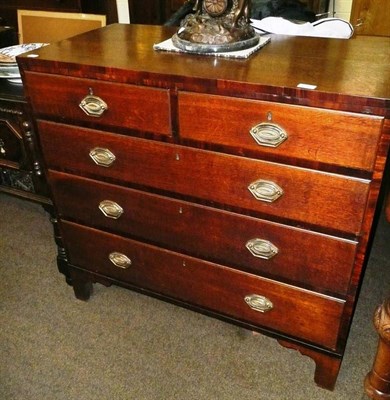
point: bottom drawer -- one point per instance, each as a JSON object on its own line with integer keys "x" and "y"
{"x": 263, "y": 302}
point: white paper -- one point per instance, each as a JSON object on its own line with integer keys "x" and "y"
{"x": 325, "y": 27}
{"x": 167, "y": 45}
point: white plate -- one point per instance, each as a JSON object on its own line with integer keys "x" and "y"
{"x": 9, "y": 71}
{"x": 9, "y": 67}
{"x": 8, "y": 64}
{"x": 8, "y": 54}
{"x": 16, "y": 81}
{"x": 10, "y": 74}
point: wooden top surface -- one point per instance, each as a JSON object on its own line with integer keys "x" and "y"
{"x": 339, "y": 68}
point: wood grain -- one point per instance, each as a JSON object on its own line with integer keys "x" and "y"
{"x": 301, "y": 313}
{"x": 310, "y": 260}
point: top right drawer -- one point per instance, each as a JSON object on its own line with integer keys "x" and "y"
{"x": 265, "y": 129}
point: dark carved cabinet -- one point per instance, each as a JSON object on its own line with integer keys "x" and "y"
{"x": 20, "y": 164}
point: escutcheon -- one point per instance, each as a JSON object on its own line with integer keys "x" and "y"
{"x": 93, "y": 106}
{"x": 268, "y": 134}
{"x": 102, "y": 157}
{"x": 267, "y": 191}
{"x": 259, "y": 303}
{"x": 120, "y": 260}
{"x": 110, "y": 209}
{"x": 262, "y": 248}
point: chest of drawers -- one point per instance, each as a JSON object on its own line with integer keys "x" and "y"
{"x": 216, "y": 184}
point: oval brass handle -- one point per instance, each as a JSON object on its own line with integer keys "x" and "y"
{"x": 102, "y": 157}
{"x": 93, "y": 106}
{"x": 267, "y": 191}
{"x": 259, "y": 303}
{"x": 262, "y": 248}
{"x": 120, "y": 260}
{"x": 110, "y": 209}
{"x": 268, "y": 134}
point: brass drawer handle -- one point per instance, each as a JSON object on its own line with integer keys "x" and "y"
{"x": 102, "y": 157}
{"x": 92, "y": 105}
{"x": 262, "y": 248}
{"x": 259, "y": 303}
{"x": 268, "y": 134}
{"x": 265, "y": 190}
{"x": 110, "y": 209}
{"x": 120, "y": 260}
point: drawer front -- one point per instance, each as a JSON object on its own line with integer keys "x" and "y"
{"x": 258, "y": 246}
{"x": 127, "y": 106}
{"x": 321, "y": 136}
{"x": 319, "y": 199}
{"x": 295, "y": 312}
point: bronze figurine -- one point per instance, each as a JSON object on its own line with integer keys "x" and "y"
{"x": 215, "y": 26}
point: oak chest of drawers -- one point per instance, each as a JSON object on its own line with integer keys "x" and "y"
{"x": 217, "y": 184}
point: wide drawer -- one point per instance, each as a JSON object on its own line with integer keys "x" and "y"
{"x": 127, "y": 106}
{"x": 280, "y": 130}
{"x": 299, "y": 313}
{"x": 295, "y": 255}
{"x": 327, "y": 200}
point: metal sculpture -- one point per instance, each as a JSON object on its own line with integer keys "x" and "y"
{"x": 216, "y": 26}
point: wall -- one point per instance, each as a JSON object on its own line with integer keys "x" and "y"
{"x": 337, "y": 8}
{"x": 340, "y": 8}
{"x": 123, "y": 11}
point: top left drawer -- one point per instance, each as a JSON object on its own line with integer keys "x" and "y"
{"x": 109, "y": 104}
